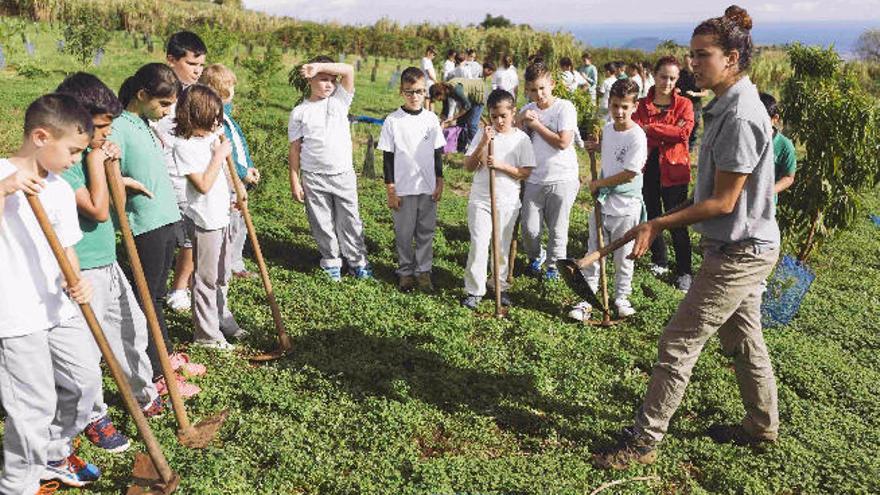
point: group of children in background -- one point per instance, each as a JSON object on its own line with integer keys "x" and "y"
{"x": 171, "y": 131}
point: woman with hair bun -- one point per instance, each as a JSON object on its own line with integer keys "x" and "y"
{"x": 734, "y": 211}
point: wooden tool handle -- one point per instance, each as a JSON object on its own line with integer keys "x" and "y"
{"x": 496, "y": 234}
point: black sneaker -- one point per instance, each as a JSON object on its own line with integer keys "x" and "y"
{"x": 505, "y": 299}
{"x": 631, "y": 448}
{"x": 737, "y": 435}
{"x": 471, "y": 302}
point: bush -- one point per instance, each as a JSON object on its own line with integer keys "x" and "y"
{"x": 83, "y": 38}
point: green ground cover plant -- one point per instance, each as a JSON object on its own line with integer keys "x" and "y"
{"x": 387, "y": 393}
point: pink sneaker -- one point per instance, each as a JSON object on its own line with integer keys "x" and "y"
{"x": 187, "y": 389}
{"x": 180, "y": 362}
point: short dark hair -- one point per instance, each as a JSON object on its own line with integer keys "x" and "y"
{"x": 321, "y": 59}
{"x": 439, "y": 91}
{"x": 91, "y": 93}
{"x": 157, "y": 80}
{"x": 498, "y": 96}
{"x": 451, "y": 53}
{"x": 489, "y": 65}
{"x": 471, "y": 51}
{"x": 623, "y": 88}
{"x": 58, "y": 113}
{"x": 565, "y": 62}
{"x": 411, "y": 75}
{"x": 609, "y": 67}
{"x": 586, "y": 55}
{"x": 185, "y": 41}
{"x": 199, "y": 108}
{"x": 536, "y": 70}
{"x": 431, "y": 49}
{"x": 770, "y": 104}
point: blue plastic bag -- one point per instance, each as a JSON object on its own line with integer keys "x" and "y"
{"x": 876, "y": 220}
{"x": 786, "y": 289}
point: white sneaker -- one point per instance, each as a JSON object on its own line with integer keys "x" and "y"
{"x": 221, "y": 345}
{"x": 684, "y": 283}
{"x": 658, "y": 270}
{"x": 179, "y": 300}
{"x": 580, "y": 311}
{"x": 624, "y": 307}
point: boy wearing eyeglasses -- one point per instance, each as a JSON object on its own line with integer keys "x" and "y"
{"x": 412, "y": 144}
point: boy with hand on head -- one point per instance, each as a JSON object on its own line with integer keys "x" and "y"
{"x": 412, "y": 144}
{"x": 619, "y": 191}
{"x": 49, "y": 374}
{"x": 113, "y": 302}
{"x": 551, "y": 189}
{"x": 514, "y": 160}
{"x": 185, "y": 53}
{"x": 222, "y": 80}
{"x": 784, "y": 154}
{"x": 320, "y": 151}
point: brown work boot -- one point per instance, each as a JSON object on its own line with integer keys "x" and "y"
{"x": 406, "y": 283}
{"x": 631, "y": 448}
{"x": 424, "y": 280}
{"x": 737, "y": 435}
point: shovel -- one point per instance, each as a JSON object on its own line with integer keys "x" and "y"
{"x": 500, "y": 311}
{"x": 151, "y": 472}
{"x": 600, "y": 242}
{"x": 511, "y": 257}
{"x": 284, "y": 345}
{"x": 193, "y": 436}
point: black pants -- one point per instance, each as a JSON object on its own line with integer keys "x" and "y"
{"x": 657, "y": 200}
{"x": 156, "y": 250}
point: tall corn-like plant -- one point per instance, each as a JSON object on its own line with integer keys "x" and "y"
{"x": 836, "y": 121}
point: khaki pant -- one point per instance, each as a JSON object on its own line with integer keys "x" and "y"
{"x": 725, "y": 297}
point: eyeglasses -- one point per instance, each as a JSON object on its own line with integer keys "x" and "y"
{"x": 413, "y": 92}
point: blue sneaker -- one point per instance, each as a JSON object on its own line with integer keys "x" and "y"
{"x": 534, "y": 268}
{"x": 551, "y": 274}
{"x": 363, "y": 272}
{"x": 104, "y": 435}
{"x": 333, "y": 272}
{"x": 71, "y": 471}
{"x": 471, "y": 302}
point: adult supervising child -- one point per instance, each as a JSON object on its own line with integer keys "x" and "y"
{"x": 320, "y": 151}
{"x": 49, "y": 374}
{"x": 412, "y": 144}
{"x": 513, "y": 159}
{"x": 619, "y": 192}
{"x": 550, "y": 190}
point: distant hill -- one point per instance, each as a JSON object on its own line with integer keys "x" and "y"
{"x": 647, "y": 44}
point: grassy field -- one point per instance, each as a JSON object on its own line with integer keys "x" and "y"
{"x": 411, "y": 394}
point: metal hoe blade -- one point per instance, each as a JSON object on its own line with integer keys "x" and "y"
{"x": 147, "y": 480}
{"x": 202, "y": 434}
{"x": 273, "y": 355}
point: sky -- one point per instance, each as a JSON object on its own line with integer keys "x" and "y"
{"x": 567, "y": 12}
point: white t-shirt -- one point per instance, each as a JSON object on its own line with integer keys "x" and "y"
{"x": 412, "y": 139}
{"x": 209, "y": 211}
{"x": 324, "y": 129}
{"x": 506, "y": 79}
{"x": 429, "y": 71}
{"x": 448, "y": 67}
{"x": 605, "y": 89}
{"x": 471, "y": 69}
{"x": 623, "y": 150}
{"x": 164, "y": 128}
{"x": 31, "y": 298}
{"x": 649, "y": 83}
{"x": 573, "y": 80}
{"x": 638, "y": 80}
{"x": 554, "y": 165}
{"x": 513, "y": 148}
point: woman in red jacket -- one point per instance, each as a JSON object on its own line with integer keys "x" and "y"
{"x": 668, "y": 120}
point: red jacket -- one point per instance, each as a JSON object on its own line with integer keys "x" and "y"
{"x": 669, "y": 131}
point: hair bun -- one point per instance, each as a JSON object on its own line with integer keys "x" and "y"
{"x": 739, "y": 16}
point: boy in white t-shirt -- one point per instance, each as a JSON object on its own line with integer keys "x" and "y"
{"x": 412, "y": 143}
{"x": 619, "y": 191}
{"x": 449, "y": 64}
{"x": 513, "y": 161}
{"x": 201, "y": 158}
{"x": 550, "y": 190}
{"x": 320, "y": 147}
{"x": 49, "y": 374}
{"x": 605, "y": 89}
{"x": 428, "y": 67}
{"x": 571, "y": 79}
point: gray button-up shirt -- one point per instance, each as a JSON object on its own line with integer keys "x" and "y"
{"x": 738, "y": 138}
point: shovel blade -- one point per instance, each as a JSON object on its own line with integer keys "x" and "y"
{"x": 201, "y": 435}
{"x": 147, "y": 480}
{"x": 273, "y": 355}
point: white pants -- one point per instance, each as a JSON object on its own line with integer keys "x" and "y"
{"x": 614, "y": 228}
{"x": 238, "y": 235}
{"x": 547, "y": 205}
{"x": 49, "y": 382}
{"x": 334, "y": 219}
{"x": 480, "y": 227}
{"x": 125, "y": 326}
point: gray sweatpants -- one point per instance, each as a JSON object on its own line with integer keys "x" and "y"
{"x": 480, "y": 226}
{"x": 211, "y": 260}
{"x": 614, "y": 228}
{"x": 547, "y": 205}
{"x": 238, "y": 235}
{"x": 125, "y": 326}
{"x": 725, "y": 297}
{"x": 414, "y": 223}
{"x": 49, "y": 382}
{"x": 332, "y": 208}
